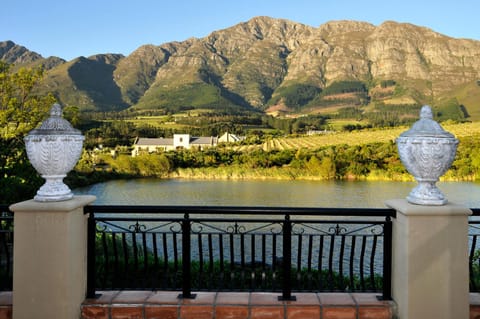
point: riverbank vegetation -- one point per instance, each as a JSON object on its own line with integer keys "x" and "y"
{"x": 312, "y": 158}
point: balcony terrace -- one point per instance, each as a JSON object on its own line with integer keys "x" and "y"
{"x": 351, "y": 246}
{"x": 73, "y": 260}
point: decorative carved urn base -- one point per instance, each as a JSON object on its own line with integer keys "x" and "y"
{"x": 54, "y": 149}
{"x": 53, "y": 190}
{"x": 426, "y": 193}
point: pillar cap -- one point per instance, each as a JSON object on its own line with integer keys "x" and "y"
{"x": 402, "y": 206}
{"x": 63, "y": 206}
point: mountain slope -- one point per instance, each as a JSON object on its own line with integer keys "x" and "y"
{"x": 18, "y": 55}
{"x": 258, "y": 60}
{"x": 275, "y": 63}
{"x": 136, "y": 73}
{"x": 87, "y": 83}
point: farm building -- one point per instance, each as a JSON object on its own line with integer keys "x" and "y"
{"x": 179, "y": 141}
{"x": 230, "y": 138}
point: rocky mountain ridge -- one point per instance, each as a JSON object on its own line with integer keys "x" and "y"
{"x": 256, "y": 64}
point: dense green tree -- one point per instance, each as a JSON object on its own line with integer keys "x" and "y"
{"x": 20, "y": 111}
{"x": 339, "y": 87}
{"x": 296, "y": 95}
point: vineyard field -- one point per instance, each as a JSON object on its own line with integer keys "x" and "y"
{"x": 352, "y": 138}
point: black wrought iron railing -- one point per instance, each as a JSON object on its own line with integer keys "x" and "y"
{"x": 239, "y": 249}
{"x": 474, "y": 250}
{"x": 6, "y": 248}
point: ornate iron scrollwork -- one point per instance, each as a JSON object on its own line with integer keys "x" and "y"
{"x": 236, "y": 229}
{"x": 377, "y": 229}
{"x": 101, "y": 228}
{"x": 137, "y": 228}
{"x": 276, "y": 230}
{"x": 297, "y": 230}
{"x": 337, "y": 230}
{"x": 176, "y": 228}
{"x": 197, "y": 229}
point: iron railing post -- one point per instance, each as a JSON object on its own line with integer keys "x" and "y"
{"x": 91, "y": 271}
{"x": 6, "y": 248}
{"x": 287, "y": 261}
{"x": 387, "y": 259}
{"x": 471, "y": 257}
{"x": 186, "y": 259}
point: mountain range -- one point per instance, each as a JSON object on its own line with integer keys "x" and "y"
{"x": 272, "y": 65}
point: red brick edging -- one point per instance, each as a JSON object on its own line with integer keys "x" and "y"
{"x": 166, "y": 305}
{"x": 232, "y": 305}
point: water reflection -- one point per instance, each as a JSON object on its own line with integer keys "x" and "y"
{"x": 267, "y": 193}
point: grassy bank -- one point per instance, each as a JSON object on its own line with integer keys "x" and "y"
{"x": 273, "y": 173}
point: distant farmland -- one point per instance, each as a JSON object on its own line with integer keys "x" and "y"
{"x": 352, "y": 138}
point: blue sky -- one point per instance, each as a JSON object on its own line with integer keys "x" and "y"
{"x": 69, "y": 29}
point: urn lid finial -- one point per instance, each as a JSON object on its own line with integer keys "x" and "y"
{"x": 55, "y": 124}
{"x": 426, "y": 112}
{"x": 56, "y": 110}
{"x": 426, "y": 126}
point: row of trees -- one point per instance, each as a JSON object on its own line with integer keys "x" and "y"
{"x": 124, "y": 132}
{"x": 367, "y": 161}
{"x": 331, "y": 162}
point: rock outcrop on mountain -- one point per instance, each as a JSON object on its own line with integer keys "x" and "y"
{"x": 253, "y": 64}
{"x": 17, "y": 54}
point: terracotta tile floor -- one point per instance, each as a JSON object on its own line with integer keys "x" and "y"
{"x": 6, "y": 305}
{"x": 233, "y": 305}
{"x": 475, "y": 306}
{"x": 229, "y": 305}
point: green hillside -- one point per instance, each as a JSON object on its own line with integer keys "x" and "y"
{"x": 279, "y": 67}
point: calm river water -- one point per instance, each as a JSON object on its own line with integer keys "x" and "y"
{"x": 267, "y": 193}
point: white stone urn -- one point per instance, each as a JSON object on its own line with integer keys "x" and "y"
{"x": 426, "y": 151}
{"x": 53, "y": 149}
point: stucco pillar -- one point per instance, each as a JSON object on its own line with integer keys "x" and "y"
{"x": 50, "y": 258}
{"x": 430, "y": 275}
